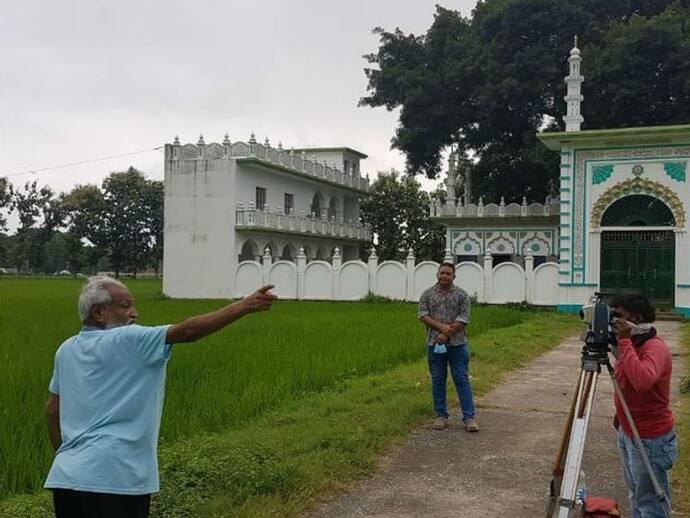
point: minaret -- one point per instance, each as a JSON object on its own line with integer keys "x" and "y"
{"x": 451, "y": 178}
{"x": 573, "y": 119}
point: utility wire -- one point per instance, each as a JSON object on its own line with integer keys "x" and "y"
{"x": 90, "y": 161}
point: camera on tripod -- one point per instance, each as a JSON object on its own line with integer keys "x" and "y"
{"x": 601, "y": 325}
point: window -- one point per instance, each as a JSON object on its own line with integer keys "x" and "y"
{"x": 260, "y": 198}
{"x": 289, "y": 203}
{"x": 346, "y": 166}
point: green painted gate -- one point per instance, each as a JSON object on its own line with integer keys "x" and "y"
{"x": 640, "y": 261}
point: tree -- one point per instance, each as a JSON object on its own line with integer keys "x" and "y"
{"x": 154, "y": 201}
{"x": 488, "y": 83}
{"x": 131, "y": 224}
{"x": 83, "y": 207}
{"x": 397, "y": 209}
{"x": 39, "y": 215}
{"x": 5, "y": 199}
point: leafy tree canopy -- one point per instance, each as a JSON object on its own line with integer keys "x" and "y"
{"x": 490, "y": 82}
{"x": 397, "y": 210}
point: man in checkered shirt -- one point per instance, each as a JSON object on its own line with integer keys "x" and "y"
{"x": 445, "y": 309}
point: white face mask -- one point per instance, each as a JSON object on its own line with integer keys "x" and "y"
{"x": 640, "y": 329}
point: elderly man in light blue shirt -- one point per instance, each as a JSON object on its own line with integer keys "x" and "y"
{"x": 106, "y": 399}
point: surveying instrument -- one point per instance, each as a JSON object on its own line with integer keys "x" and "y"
{"x": 599, "y": 341}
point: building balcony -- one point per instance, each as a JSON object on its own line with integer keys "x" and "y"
{"x": 277, "y": 221}
{"x": 449, "y": 209}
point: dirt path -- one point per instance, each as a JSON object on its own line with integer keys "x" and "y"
{"x": 505, "y": 469}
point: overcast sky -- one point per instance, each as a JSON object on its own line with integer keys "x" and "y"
{"x": 86, "y": 79}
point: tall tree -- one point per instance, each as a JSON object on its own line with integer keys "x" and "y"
{"x": 154, "y": 201}
{"x": 397, "y": 210}
{"x": 83, "y": 207}
{"x": 488, "y": 83}
{"x": 130, "y": 219}
{"x": 39, "y": 215}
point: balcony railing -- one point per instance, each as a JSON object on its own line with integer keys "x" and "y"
{"x": 251, "y": 218}
{"x": 294, "y": 162}
{"x": 492, "y": 210}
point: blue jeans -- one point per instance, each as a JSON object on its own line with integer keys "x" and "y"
{"x": 458, "y": 358}
{"x": 662, "y": 452}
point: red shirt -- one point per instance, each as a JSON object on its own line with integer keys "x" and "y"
{"x": 644, "y": 376}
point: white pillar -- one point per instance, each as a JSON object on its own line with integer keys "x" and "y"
{"x": 372, "y": 264}
{"x": 266, "y": 271}
{"x": 594, "y": 260}
{"x": 336, "y": 263}
{"x": 409, "y": 269}
{"x": 529, "y": 278}
{"x": 301, "y": 268}
{"x": 488, "y": 273}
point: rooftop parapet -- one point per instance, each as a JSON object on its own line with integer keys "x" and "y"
{"x": 290, "y": 161}
{"x": 492, "y": 210}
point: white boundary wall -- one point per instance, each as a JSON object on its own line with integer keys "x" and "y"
{"x": 353, "y": 280}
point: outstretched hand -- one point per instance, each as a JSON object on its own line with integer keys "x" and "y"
{"x": 260, "y": 300}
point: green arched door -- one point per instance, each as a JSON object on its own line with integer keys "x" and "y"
{"x": 639, "y": 260}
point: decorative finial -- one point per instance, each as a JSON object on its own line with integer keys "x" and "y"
{"x": 280, "y": 146}
{"x": 267, "y": 143}
{"x": 575, "y": 41}
{"x": 201, "y": 140}
{"x": 252, "y": 138}
{"x": 226, "y": 139}
{"x": 176, "y": 142}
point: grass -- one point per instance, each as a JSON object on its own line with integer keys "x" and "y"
{"x": 223, "y": 381}
{"x": 279, "y": 463}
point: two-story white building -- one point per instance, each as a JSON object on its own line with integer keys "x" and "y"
{"x": 235, "y": 201}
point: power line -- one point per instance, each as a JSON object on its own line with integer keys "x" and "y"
{"x": 89, "y": 161}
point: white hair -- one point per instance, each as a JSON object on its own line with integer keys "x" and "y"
{"x": 95, "y": 292}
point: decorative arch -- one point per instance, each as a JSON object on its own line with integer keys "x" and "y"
{"x": 638, "y": 210}
{"x": 535, "y": 245}
{"x": 501, "y": 245}
{"x": 288, "y": 252}
{"x": 637, "y": 186}
{"x": 249, "y": 251}
{"x": 332, "y": 208}
{"x": 317, "y": 203}
{"x": 467, "y": 246}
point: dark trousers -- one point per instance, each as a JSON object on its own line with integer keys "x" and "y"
{"x": 81, "y": 504}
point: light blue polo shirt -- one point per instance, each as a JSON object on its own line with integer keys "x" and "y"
{"x": 111, "y": 385}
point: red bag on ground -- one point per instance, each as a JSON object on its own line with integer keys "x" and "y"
{"x": 597, "y": 507}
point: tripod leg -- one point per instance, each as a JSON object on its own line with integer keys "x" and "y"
{"x": 559, "y": 464}
{"x": 660, "y": 493}
{"x": 576, "y": 447}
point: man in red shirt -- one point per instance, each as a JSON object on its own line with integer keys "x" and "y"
{"x": 643, "y": 372}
